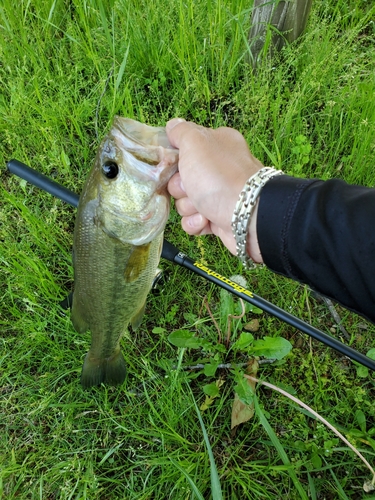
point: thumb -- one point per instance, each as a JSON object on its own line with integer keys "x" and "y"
{"x": 175, "y": 131}
{"x": 172, "y": 123}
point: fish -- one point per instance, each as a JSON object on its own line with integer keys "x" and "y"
{"x": 117, "y": 243}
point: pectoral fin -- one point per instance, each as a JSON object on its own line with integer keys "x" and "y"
{"x": 137, "y": 318}
{"x": 137, "y": 262}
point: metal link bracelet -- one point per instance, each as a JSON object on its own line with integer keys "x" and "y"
{"x": 245, "y": 208}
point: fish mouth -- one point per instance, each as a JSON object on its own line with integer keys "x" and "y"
{"x": 146, "y": 150}
{"x": 140, "y": 133}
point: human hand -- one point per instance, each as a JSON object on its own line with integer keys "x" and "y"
{"x": 213, "y": 168}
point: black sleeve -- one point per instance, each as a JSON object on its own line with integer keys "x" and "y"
{"x": 321, "y": 233}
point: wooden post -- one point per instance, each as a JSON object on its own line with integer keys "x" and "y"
{"x": 287, "y": 19}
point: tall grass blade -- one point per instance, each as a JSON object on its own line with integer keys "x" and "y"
{"x": 194, "y": 487}
{"x": 122, "y": 69}
{"x": 275, "y": 159}
{"x": 340, "y": 491}
{"x": 51, "y": 11}
{"x": 215, "y": 480}
{"x": 104, "y": 22}
{"x": 312, "y": 487}
{"x": 279, "y": 448}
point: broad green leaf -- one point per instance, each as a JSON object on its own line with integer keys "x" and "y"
{"x": 211, "y": 390}
{"x": 210, "y": 368}
{"x": 243, "y": 404}
{"x": 245, "y": 339}
{"x": 220, "y": 348}
{"x": 301, "y": 139}
{"x": 356, "y": 433}
{"x": 272, "y": 347}
{"x": 184, "y": 338}
{"x": 158, "y": 329}
{"x": 371, "y": 442}
{"x": 371, "y": 353}
{"x": 316, "y": 461}
{"x": 362, "y": 371}
{"x": 254, "y": 309}
{"x": 227, "y": 307}
{"x": 328, "y": 445}
{"x": 300, "y": 445}
{"x": 361, "y": 419}
{"x": 244, "y": 391}
{"x": 205, "y": 344}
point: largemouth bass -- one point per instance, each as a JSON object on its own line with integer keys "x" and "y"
{"x": 118, "y": 238}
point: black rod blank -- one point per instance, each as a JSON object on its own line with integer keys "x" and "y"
{"x": 43, "y": 182}
{"x": 173, "y": 254}
{"x": 256, "y": 300}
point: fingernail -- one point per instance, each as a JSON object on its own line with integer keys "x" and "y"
{"x": 195, "y": 220}
{"x": 172, "y": 123}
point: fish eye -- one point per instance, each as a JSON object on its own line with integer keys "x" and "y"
{"x": 110, "y": 169}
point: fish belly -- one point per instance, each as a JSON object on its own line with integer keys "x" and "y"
{"x": 111, "y": 284}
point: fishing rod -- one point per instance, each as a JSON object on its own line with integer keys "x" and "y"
{"x": 173, "y": 254}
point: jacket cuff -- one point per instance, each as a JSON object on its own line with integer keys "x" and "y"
{"x": 277, "y": 202}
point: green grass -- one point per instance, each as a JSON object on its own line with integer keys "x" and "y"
{"x": 65, "y": 69}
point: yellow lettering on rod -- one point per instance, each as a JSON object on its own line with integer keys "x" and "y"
{"x": 232, "y": 284}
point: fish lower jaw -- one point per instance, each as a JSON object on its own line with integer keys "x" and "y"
{"x": 143, "y": 237}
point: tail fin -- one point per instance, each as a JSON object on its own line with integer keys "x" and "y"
{"x": 110, "y": 371}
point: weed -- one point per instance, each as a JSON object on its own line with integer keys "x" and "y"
{"x": 301, "y": 152}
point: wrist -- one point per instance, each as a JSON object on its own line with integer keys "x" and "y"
{"x": 244, "y": 219}
{"x": 252, "y": 247}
